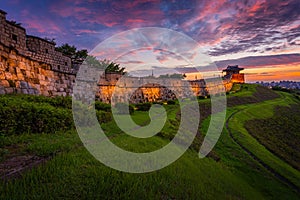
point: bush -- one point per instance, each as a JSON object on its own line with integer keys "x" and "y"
{"x": 38, "y": 114}
{"x": 143, "y": 106}
{"x": 17, "y": 118}
{"x": 103, "y": 117}
{"x": 171, "y": 102}
{"x": 59, "y": 101}
{"x": 122, "y": 108}
{"x": 102, "y": 106}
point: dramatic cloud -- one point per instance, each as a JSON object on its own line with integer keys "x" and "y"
{"x": 260, "y": 27}
{"x": 259, "y": 61}
{"x": 226, "y": 29}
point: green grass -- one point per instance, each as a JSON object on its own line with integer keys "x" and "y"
{"x": 76, "y": 174}
{"x": 73, "y": 173}
{"x": 263, "y": 110}
{"x": 242, "y": 90}
{"x": 280, "y": 134}
{"x": 249, "y": 170}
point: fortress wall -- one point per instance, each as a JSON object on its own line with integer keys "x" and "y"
{"x": 140, "y": 90}
{"x": 31, "y": 65}
{"x": 20, "y": 74}
{"x": 44, "y": 51}
{"x": 12, "y": 35}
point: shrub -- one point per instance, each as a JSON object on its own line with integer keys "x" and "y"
{"x": 17, "y": 118}
{"x": 171, "y": 102}
{"x": 103, "y": 117}
{"x": 58, "y": 101}
{"x": 122, "y": 108}
{"x": 201, "y": 97}
{"x": 102, "y": 106}
{"x": 143, "y": 106}
{"x": 38, "y": 114}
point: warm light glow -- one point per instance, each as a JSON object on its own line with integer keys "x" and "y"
{"x": 273, "y": 73}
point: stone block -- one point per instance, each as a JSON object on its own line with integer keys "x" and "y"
{"x": 12, "y": 56}
{"x": 9, "y": 90}
{"x": 24, "y": 84}
{"x": 5, "y": 83}
{"x": 20, "y": 77}
{"x": 36, "y": 92}
{"x": 8, "y": 76}
{"x": 2, "y": 75}
{"x": 24, "y": 91}
{"x": 32, "y": 91}
{"x": 2, "y": 90}
{"x": 22, "y": 65}
{"x": 18, "y": 90}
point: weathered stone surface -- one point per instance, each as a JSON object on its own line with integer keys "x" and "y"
{"x": 2, "y": 75}
{"x": 9, "y": 90}
{"x": 23, "y": 84}
{"x": 2, "y": 90}
{"x": 5, "y": 83}
{"x": 24, "y": 91}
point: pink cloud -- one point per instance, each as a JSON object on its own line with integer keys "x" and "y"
{"x": 205, "y": 10}
{"x": 42, "y": 25}
{"x": 125, "y": 14}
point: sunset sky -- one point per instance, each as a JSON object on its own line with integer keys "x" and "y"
{"x": 261, "y": 36}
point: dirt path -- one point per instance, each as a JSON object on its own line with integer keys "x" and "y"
{"x": 16, "y": 165}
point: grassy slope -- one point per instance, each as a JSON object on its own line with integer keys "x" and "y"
{"x": 280, "y": 134}
{"x": 74, "y": 174}
{"x": 262, "y": 111}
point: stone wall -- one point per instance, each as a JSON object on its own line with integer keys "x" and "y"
{"x": 44, "y": 51}
{"x": 140, "y": 90}
{"x": 14, "y": 36}
{"x": 20, "y": 74}
{"x": 30, "y": 65}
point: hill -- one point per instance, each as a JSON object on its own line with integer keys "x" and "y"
{"x": 255, "y": 157}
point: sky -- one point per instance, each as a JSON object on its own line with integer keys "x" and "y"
{"x": 261, "y": 36}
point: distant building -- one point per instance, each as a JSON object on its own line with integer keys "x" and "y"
{"x": 233, "y": 73}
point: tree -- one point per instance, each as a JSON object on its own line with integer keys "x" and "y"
{"x": 71, "y": 51}
{"x": 92, "y": 61}
{"x": 67, "y": 49}
{"x": 109, "y": 66}
{"x": 82, "y": 54}
{"x": 50, "y": 40}
{"x": 114, "y": 67}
